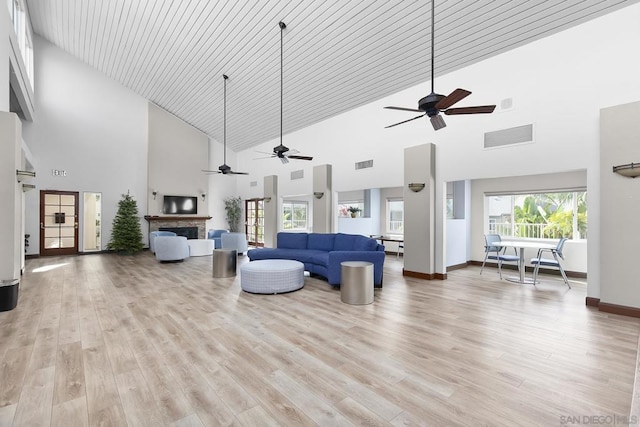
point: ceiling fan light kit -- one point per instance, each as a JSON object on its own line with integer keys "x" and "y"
{"x": 433, "y": 104}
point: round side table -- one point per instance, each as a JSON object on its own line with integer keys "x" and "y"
{"x": 356, "y": 283}
{"x": 224, "y": 262}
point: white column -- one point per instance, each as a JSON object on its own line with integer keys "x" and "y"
{"x": 419, "y": 211}
{"x": 323, "y": 212}
{"x": 271, "y": 211}
{"x": 11, "y": 196}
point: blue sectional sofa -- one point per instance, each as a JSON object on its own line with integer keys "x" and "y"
{"x": 322, "y": 253}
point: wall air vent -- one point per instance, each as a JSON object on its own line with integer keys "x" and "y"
{"x": 299, "y": 174}
{"x": 364, "y": 165}
{"x": 506, "y": 104}
{"x": 516, "y": 135}
{"x": 253, "y": 184}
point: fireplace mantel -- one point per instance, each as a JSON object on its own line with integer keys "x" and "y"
{"x": 157, "y": 222}
{"x": 176, "y": 218}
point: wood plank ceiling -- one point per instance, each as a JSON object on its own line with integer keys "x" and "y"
{"x": 338, "y": 55}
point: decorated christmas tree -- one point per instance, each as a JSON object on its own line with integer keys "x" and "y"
{"x": 126, "y": 235}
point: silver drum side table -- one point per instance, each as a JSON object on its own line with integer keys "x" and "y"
{"x": 356, "y": 283}
{"x": 224, "y": 262}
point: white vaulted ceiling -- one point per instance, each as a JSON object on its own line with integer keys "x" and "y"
{"x": 338, "y": 54}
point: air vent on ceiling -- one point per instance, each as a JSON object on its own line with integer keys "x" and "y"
{"x": 299, "y": 174}
{"x": 516, "y": 135}
{"x": 253, "y": 184}
{"x": 364, "y": 165}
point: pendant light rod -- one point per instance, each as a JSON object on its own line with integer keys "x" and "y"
{"x": 224, "y": 138}
{"x": 282, "y": 27}
{"x": 433, "y": 36}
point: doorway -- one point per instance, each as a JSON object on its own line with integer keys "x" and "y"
{"x": 92, "y": 219}
{"x": 58, "y": 222}
{"x": 254, "y": 222}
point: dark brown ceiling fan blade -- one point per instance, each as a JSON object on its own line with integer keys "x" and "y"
{"x": 403, "y": 109}
{"x": 452, "y": 98}
{"x": 399, "y": 123}
{"x": 209, "y": 172}
{"x": 238, "y": 173}
{"x": 300, "y": 157}
{"x": 481, "y": 109}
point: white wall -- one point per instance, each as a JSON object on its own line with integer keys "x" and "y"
{"x": 178, "y": 153}
{"x": 90, "y": 126}
{"x": 619, "y": 220}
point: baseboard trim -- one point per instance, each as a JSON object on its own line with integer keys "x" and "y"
{"x": 425, "y": 276}
{"x": 592, "y": 302}
{"x": 619, "y": 309}
{"x": 457, "y": 266}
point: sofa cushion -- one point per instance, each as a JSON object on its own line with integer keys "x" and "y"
{"x": 321, "y": 241}
{"x": 343, "y": 242}
{"x": 272, "y": 253}
{"x": 321, "y": 259}
{"x": 292, "y": 240}
{"x": 364, "y": 244}
{"x": 309, "y": 256}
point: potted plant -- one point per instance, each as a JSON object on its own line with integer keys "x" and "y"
{"x": 233, "y": 209}
{"x": 354, "y": 210}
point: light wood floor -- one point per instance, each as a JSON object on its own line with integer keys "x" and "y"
{"x": 116, "y": 340}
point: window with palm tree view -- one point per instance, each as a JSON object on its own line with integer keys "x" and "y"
{"x": 539, "y": 215}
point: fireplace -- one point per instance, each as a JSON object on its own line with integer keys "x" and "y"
{"x": 179, "y": 222}
{"x": 188, "y": 232}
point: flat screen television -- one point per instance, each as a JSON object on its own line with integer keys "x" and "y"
{"x": 180, "y": 205}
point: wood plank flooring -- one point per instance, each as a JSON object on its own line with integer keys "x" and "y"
{"x": 124, "y": 340}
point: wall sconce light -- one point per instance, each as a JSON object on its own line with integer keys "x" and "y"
{"x": 318, "y": 194}
{"x": 204, "y": 196}
{"x": 630, "y": 170}
{"x": 27, "y": 187}
{"x": 24, "y": 174}
{"x": 155, "y": 193}
{"x": 267, "y": 199}
{"x": 416, "y": 186}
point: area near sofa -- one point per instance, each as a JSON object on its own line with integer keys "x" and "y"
{"x": 322, "y": 253}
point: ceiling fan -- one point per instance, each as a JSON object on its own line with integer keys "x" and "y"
{"x": 224, "y": 168}
{"x": 433, "y": 104}
{"x": 280, "y": 151}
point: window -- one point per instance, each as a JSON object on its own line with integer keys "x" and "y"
{"x": 345, "y": 209}
{"x": 539, "y": 215}
{"x": 22, "y": 28}
{"x": 294, "y": 215}
{"x": 395, "y": 216}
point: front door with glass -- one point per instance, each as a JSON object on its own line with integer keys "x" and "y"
{"x": 58, "y": 222}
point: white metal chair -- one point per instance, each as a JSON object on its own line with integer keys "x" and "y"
{"x": 400, "y": 246}
{"x": 548, "y": 262}
{"x": 497, "y": 253}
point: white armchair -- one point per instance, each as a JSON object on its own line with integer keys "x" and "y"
{"x": 237, "y": 241}
{"x": 171, "y": 248}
